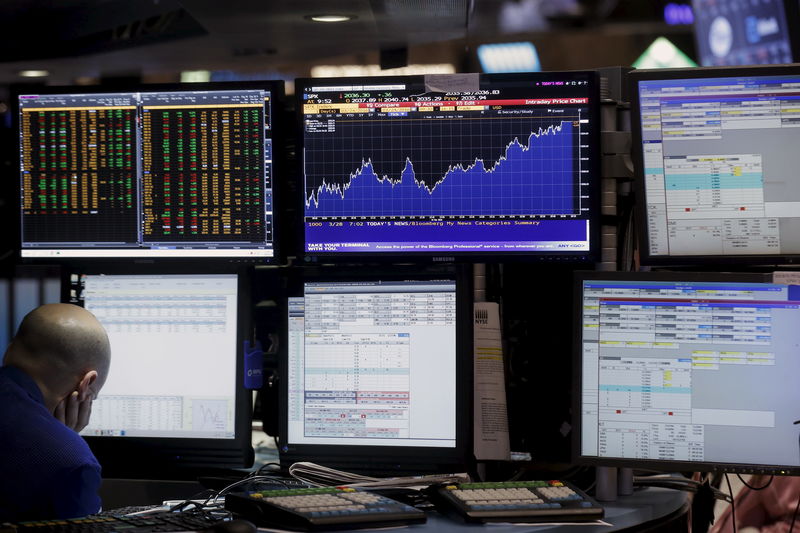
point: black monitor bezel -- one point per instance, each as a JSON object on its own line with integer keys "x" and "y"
{"x": 279, "y": 165}
{"x": 577, "y": 378}
{"x": 582, "y": 257}
{"x": 638, "y": 164}
{"x": 178, "y": 457}
{"x": 391, "y": 460}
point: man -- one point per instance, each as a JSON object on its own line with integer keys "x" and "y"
{"x": 52, "y": 371}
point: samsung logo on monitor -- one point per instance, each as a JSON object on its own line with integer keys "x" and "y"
{"x": 757, "y": 28}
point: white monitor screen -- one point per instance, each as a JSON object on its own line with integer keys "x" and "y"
{"x": 174, "y": 354}
{"x": 373, "y": 363}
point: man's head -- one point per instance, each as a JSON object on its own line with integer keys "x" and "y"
{"x": 64, "y": 349}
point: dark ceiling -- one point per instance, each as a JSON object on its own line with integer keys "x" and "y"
{"x": 73, "y": 38}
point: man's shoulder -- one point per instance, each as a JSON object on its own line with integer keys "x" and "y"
{"x": 28, "y": 428}
{"x": 49, "y": 472}
{"x": 65, "y": 445}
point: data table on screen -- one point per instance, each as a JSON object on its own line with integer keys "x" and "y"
{"x": 165, "y": 171}
{"x": 716, "y": 164}
{"x": 157, "y": 325}
{"x": 689, "y": 371}
{"x": 363, "y": 361}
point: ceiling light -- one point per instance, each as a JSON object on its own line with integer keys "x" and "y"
{"x": 195, "y": 76}
{"x": 33, "y": 73}
{"x": 509, "y": 57}
{"x": 339, "y": 71}
{"x": 330, "y": 18}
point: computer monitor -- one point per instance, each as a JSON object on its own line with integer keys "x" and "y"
{"x": 715, "y": 157}
{"x": 174, "y": 401}
{"x": 687, "y": 372}
{"x": 741, "y": 32}
{"x": 489, "y": 166}
{"x": 376, "y": 376}
{"x": 155, "y": 172}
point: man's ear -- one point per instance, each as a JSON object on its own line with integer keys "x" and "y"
{"x": 83, "y": 386}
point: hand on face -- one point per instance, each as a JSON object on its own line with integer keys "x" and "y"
{"x": 74, "y": 410}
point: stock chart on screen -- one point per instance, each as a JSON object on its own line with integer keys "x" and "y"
{"x": 168, "y": 172}
{"x": 502, "y": 165}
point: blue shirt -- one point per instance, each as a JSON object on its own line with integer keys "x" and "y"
{"x": 47, "y": 470}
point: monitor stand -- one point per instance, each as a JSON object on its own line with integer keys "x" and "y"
{"x": 613, "y": 482}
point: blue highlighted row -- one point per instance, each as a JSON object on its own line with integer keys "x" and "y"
{"x": 641, "y": 388}
{"x": 683, "y": 182}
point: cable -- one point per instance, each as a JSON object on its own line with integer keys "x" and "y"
{"x": 262, "y": 467}
{"x": 193, "y": 506}
{"x": 212, "y": 504}
{"x": 746, "y": 484}
{"x": 246, "y": 480}
{"x": 517, "y": 474}
{"x": 794, "y": 516}
{"x": 190, "y": 504}
{"x": 733, "y": 504}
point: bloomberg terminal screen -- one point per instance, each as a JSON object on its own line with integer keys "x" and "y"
{"x": 403, "y": 165}
{"x": 172, "y": 173}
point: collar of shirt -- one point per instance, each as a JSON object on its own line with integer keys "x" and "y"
{"x": 24, "y": 381}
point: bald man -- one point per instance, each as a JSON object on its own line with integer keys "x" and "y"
{"x": 52, "y": 371}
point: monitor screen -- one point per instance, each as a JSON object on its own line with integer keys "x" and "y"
{"x": 176, "y": 374}
{"x": 502, "y": 165}
{"x": 716, "y": 160}
{"x": 688, "y": 371}
{"x": 376, "y": 375}
{"x": 742, "y": 32}
{"x": 183, "y": 171}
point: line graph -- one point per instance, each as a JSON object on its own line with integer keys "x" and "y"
{"x": 209, "y": 415}
{"x": 509, "y": 166}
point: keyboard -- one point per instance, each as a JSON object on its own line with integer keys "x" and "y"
{"x": 133, "y": 510}
{"x": 321, "y": 508}
{"x": 164, "y": 522}
{"x": 517, "y": 501}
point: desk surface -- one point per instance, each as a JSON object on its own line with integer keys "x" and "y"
{"x": 642, "y": 506}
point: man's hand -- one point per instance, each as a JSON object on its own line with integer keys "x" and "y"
{"x": 73, "y": 412}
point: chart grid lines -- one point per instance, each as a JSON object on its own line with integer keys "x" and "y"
{"x": 394, "y": 165}
{"x": 533, "y": 173}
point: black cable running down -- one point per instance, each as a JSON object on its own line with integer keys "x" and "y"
{"x": 733, "y": 503}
